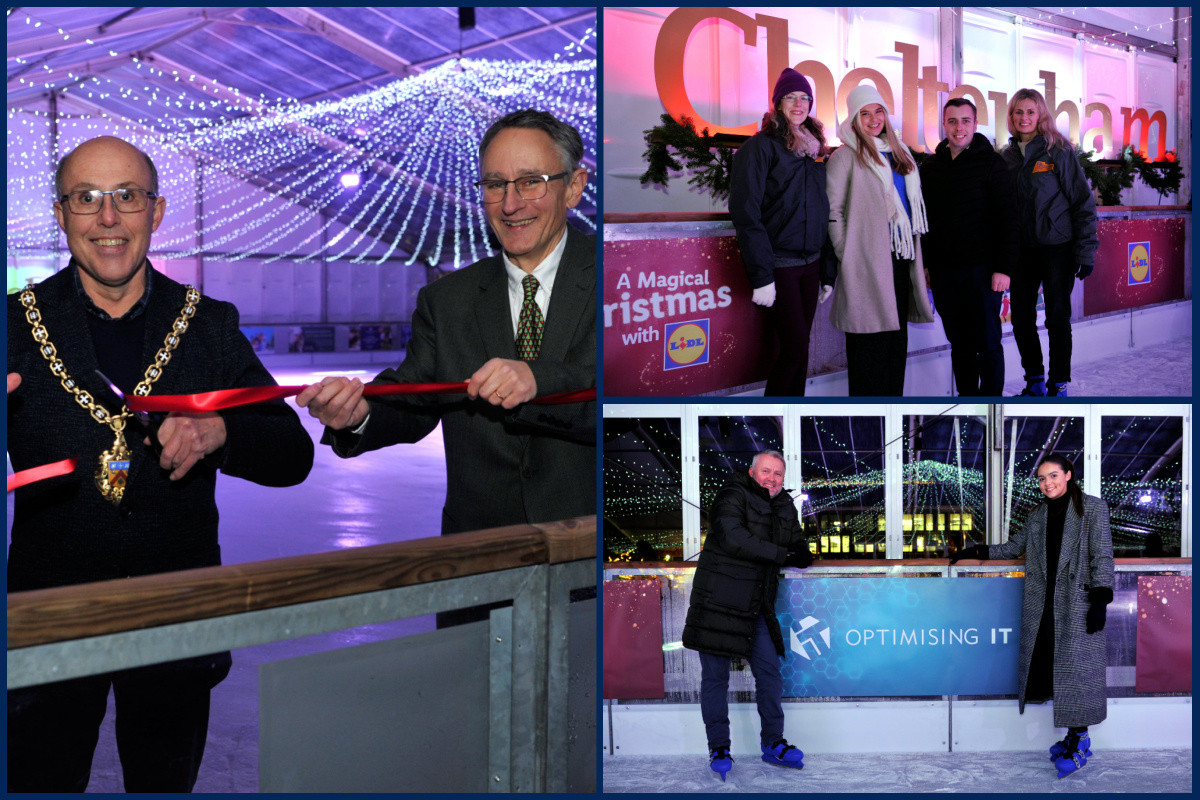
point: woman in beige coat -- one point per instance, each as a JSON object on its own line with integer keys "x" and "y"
{"x": 876, "y": 217}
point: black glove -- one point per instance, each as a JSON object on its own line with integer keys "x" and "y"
{"x": 976, "y": 551}
{"x": 1099, "y": 597}
{"x": 801, "y": 559}
{"x": 1083, "y": 271}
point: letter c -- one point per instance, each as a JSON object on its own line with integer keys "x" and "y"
{"x": 668, "y": 62}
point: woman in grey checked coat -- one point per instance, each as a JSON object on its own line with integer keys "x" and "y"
{"x": 1068, "y": 584}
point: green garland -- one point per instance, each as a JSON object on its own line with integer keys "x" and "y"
{"x": 1110, "y": 179}
{"x": 711, "y": 161}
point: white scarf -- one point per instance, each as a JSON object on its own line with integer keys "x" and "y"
{"x": 898, "y": 224}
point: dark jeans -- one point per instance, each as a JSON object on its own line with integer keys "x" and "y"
{"x": 970, "y": 313}
{"x": 768, "y": 690}
{"x": 796, "y": 290}
{"x": 162, "y": 723}
{"x": 1052, "y": 268}
{"x": 875, "y": 361}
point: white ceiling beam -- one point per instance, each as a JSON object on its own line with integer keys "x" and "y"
{"x": 346, "y": 39}
{"x": 137, "y": 23}
{"x": 512, "y": 37}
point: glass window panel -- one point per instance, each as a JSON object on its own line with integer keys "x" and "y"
{"x": 1141, "y": 478}
{"x": 944, "y": 474}
{"x": 1037, "y": 437}
{"x": 643, "y": 501}
{"x": 842, "y": 465}
{"x": 728, "y": 445}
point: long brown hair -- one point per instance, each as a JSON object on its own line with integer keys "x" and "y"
{"x": 1045, "y": 123}
{"x": 1073, "y": 489}
{"x": 775, "y": 126}
{"x": 866, "y": 151}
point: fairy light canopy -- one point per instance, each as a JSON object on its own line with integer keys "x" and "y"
{"x": 358, "y": 127}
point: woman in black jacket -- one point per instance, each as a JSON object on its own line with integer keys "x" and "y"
{"x": 1057, "y": 217}
{"x": 781, "y": 214}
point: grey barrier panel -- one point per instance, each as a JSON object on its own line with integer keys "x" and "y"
{"x": 529, "y": 682}
{"x": 29, "y": 666}
{"x": 379, "y": 717}
{"x": 581, "y": 730}
{"x": 563, "y": 623}
{"x": 500, "y": 699}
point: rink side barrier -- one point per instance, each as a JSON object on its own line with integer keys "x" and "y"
{"x": 670, "y": 724}
{"x": 678, "y": 319}
{"x": 73, "y": 631}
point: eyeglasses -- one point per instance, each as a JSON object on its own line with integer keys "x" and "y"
{"x": 89, "y": 201}
{"x": 529, "y": 187}
{"x": 796, "y": 97}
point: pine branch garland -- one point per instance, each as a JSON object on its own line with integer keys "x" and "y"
{"x": 675, "y": 146}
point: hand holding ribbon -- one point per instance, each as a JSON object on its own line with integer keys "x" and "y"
{"x": 503, "y": 382}
{"x": 337, "y": 402}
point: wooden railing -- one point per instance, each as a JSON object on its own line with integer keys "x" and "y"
{"x": 96, "y": 609}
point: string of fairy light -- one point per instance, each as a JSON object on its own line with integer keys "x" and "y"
{"x": 931, "y": 487}
{"x": 373, "y": 154}
{"x": 1141, "y": 31}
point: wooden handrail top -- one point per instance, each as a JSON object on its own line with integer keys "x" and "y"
{"x": 97, "y": 609}
{"x": 856, "y": 563}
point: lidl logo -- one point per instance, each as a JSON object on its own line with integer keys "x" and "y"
{"x": 686, "y": 344}
{"x": 1139, "y": 263}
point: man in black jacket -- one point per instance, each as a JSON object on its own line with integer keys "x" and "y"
{"x": 753, "y": 530}
{"x": 135, "y": 510}
{"x": 971, "y": 247}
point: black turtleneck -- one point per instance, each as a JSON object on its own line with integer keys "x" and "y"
{"x": 1056, "y": 515}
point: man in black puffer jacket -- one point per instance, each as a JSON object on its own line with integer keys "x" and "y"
{"x": 971, "y": 248}
{"x": 753, "y": 531}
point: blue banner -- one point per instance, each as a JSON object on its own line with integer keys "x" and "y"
{"x": 849, "y": 637}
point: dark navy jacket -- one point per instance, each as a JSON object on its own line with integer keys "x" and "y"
{"x": 1054, "y": 201}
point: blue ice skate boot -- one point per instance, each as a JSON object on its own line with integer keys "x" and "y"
{"x": 1057, "y": 390}
{"x": 1058, "y": 748}
{"x": 720, "y": 761}
{"x": 1074, "y": 757}
{"x": 782, "y": 754}
{"x": 1034, "y": 387}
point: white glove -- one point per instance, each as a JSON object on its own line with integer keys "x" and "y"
{"x": 826, "y": 291}
{"x": 765, "y": 295}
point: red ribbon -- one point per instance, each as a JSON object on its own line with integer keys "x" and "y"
{"x": 232, "y": 398}
{"x": 27, "y": 476}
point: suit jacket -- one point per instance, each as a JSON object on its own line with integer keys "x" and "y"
{"x": 536, "y": 463}
{"x": 64, "y": 532}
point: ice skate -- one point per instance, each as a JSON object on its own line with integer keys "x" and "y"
{"x": 782, "y": 754}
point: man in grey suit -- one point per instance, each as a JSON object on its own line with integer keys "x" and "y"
{"x": 514, "y": 326}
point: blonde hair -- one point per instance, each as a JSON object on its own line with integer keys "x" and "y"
{"x": 1045, "y": 122}
{"x": 902, "y": 159}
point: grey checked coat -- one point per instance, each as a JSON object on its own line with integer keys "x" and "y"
{"x": 1080, "y": 695}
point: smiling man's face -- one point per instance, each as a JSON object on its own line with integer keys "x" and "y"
{"x": 528, "y": 230}
{"x": 109, "y": 246}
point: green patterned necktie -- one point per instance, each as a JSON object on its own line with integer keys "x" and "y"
{"x": 529, "y": 326}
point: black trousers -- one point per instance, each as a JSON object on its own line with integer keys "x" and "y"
{"x": 1052, "y": 268}
{"x": 162, "y": 724}
{"x": 875, "y": 362}
{"x": 796, "y": 290}
{"x": 970, "y": 313}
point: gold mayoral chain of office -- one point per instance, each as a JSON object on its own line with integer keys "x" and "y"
{"x": 113, "y": 471}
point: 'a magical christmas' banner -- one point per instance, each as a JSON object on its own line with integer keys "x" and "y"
{"x": 850, "y": 637}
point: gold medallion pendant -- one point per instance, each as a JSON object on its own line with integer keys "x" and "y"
{"x": 113, "y": 472}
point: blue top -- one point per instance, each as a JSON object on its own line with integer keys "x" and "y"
{"x": 898, "y": 180}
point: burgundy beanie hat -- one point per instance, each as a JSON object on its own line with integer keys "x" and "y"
{"x": 790, "y": 81}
